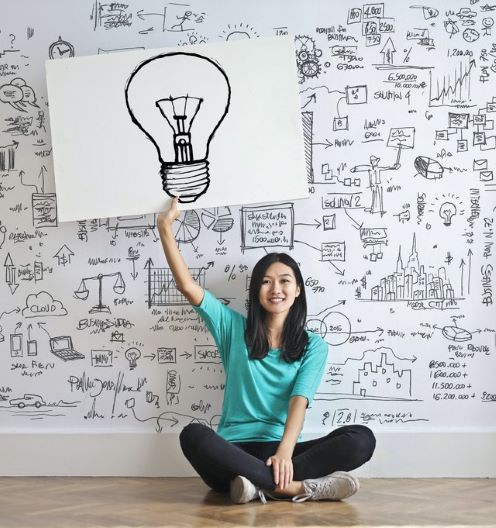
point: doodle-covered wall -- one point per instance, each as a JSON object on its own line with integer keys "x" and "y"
{"x": 395, "y": 242}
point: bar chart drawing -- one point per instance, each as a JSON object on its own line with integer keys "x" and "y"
{"x": 7, "y": 156}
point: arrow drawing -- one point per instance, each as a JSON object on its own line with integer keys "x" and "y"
{"x": 311, "y": 98}
{"x": 21, "y": 174}
{"x": 10, "y": 274}
{"x": 469, "y": 254}
{"x": 462, "y": 267}
{"x": 387, "y": 52}
{"x": 41, "y": 177}
{"x": 133, "y": 258}
{"x": 317, "y": 224}
{"x": 142, "y": 16}
{"x": 41, "y": 326}
{"x": 63, "y": 255}
{"x": 338, "y": 271}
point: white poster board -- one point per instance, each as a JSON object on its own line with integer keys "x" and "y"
{"x": 215, "y": 124}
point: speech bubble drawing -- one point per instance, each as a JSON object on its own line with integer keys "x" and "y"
{"x": 10, "y": 93}
{"x": 17, "y": 93}
{"x": 28, "y": 95}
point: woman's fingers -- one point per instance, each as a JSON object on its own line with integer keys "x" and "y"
{"x": 285, "y": 474}
{"x": 170, "y": 215}
{"x": 282, "y": 474}
{"x": 290, "y": 475}
{"x": 282, "y": 470}
{"x": 275, "y": 466}
{"x": 173, "y": 212}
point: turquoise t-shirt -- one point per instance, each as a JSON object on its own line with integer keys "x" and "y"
{"x": 257, "y": 391}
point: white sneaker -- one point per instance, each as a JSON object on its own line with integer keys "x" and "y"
{"x": 336, "y": 486}
{"x": 243, "y": 491}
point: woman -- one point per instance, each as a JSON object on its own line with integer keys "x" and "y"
{"x": 273, "y": 368}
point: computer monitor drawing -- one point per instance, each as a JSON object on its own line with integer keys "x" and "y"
{"x": 62, "y": 347}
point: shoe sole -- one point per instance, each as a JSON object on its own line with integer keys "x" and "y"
{"x": 237, "y": 491}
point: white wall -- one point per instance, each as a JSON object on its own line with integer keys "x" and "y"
{"x": 403, "y": 455}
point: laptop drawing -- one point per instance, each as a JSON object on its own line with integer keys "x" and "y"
{"x": 62, "y": 347}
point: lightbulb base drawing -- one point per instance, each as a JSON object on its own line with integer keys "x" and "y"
{"x": 186, "y": 181}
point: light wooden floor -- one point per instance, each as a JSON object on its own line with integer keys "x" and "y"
{"x": 73, "y": 502}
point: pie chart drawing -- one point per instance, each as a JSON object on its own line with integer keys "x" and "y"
{"x": 218, "y": 219}
{"x": 429, "y": 168}
{"x": 188, "y": 227}
{"x": 454, "y": 333}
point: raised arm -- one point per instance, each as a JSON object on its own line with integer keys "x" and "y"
{"x": 182, "y": 276}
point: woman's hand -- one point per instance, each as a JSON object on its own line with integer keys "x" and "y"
{"x": 168, "y": 217}
{"x": 282, "y": 466}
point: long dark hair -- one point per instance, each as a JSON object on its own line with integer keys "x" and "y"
{"x": 294, "y": 335}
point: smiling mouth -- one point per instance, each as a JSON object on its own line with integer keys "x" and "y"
{"x": 276, "y": 300}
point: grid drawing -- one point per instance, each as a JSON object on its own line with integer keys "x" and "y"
{"x": 162, "y": 289}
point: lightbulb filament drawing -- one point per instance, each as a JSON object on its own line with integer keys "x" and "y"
{"x": 180, "y": 125}
{"x": 178, "y": 121}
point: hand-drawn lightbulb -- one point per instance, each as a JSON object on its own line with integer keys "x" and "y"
{"x": 179, "y": 100}
{"x": 132, "y": 355}
{"x": 446, "y": 212}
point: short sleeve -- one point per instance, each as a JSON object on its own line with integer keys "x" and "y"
{"x": 311, "y": 369}
{"x": 218, "y": 319}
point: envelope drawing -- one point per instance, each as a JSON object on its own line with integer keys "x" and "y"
{"x": 485, "y": 176}
{"x": 480, "y": 164}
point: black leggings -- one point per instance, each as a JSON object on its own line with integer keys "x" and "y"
{"x": 218, "y": 461}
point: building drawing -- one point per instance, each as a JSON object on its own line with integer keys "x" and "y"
{"x": 383, "y": 378}
{"x": 411, "y": 282}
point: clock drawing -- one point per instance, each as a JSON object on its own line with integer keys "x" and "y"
{"x": 61, "y": 49}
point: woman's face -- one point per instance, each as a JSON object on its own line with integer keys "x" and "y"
{"x": 279, "y": 289}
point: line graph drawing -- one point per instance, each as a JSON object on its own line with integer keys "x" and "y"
{"x": 162, "y": 289}
{"x": 454, "y": 89}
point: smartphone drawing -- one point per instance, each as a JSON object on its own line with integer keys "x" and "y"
{"x": 32, "y": 347}
{"x": 16, "y": 345}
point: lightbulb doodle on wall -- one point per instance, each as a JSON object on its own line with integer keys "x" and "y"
{"x": 446, "y": 212}
{"x": 132, "y": 355}
{"x": 451, "y": 206}
{"x": 179, "y": 101}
